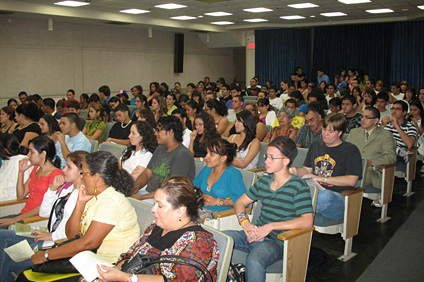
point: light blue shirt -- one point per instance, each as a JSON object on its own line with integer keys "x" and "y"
{"x": 324, "y": 77}
{"x": 76, "y": 143}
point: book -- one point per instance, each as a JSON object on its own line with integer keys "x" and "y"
{"x": 26, "y": 229}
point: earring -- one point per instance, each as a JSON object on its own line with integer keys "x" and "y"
{"x": 179, "y": 219}
{"x": 95, "y": 188}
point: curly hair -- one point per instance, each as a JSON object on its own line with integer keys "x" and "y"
{"x": 219, "y": 107}
{"x": 149, "y": 141}
{"x": 249, "y": 124}
{"x": 147, "y": 115}
{"x": 30, "y": 111}
{"x": 52, "y": 124}
{"x": 210, "y": 128}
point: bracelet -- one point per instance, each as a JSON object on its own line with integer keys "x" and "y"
{"x": 242, "y": 218}
{"x": 220, "y": 202}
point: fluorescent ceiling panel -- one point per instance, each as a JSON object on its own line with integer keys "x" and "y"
{"x": 170, "y": 6}
{"x": 295, "y": 17}
{"x": 183, "y": 18}
{"x": 379, "y": 11}
{"x": 255, "y": 20}
{"x": 222, "y": 23}
{"x": 72, "y": 3}
{"x": 218, "y": 14}
{"x": 334, "y": 14}
{"x": 134, "y": 11}
{"x": 354, "y": 1}
{"x": 303, "y": 5}
{"x": 421, "y": 7}
{"x": 258, "y": 10}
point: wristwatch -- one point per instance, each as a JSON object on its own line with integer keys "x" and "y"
{"x": 46, "y": 255}
{"x": 133, "y": 278}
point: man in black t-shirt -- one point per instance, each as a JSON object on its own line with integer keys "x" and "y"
{"x": 297, "y": 77}
{"x": 254, "y": 89}
{"x": 121, "y": 130}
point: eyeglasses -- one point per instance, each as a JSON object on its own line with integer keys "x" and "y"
{"x": 159, "y": 129}
{"x": 368, "y": 117}
{"x": 397, "y": 109}
{"x": 272, "y": 158}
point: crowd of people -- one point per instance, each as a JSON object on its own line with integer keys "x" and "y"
{"x": 46, "y": 158}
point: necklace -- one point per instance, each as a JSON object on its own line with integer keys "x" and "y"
{"x": 125, "y": 126}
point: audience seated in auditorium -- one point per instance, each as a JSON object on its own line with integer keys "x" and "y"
{"x": 182, "y": 116}
{"x": 70, "y": 96}
{"x": 49, "y": 108}
{"x": 321, "y": 76}
{"x": 218, "y": 111}
{"x": 382, "y": 104}
{"x": 193, "y": 109}
{"x": 253, "y": 89}
{"x": 297, "y": 76}
{"x": 95, "y": 128}
{"x": 326, "y": 162}
{"x": 12, "y": 103}
{"x": 284, "y": 127}
{"x": 235, "y": 91}
{"x": 261, "y": 129}
{"x": 136, "y": 91}
{"x": 410, "y": 95}
{"x": 225, "y": 93}
{"x": 58, "y": 204}
{"x": 22, "y": 97}
{"x": 147, "y": 115}
{"x": 48, "y": 125}
{"x": 41, "y": 155}
{"x": 421, "y": 96}
{"x": 340, "y": 77}
{"x": 166, "y": 160}
{"x": 204, "y": 131}
{"x": 266, "y": 112}
{"x": 284, "y": 84}
{"x": 121, "y": 129}
{"x": 353, "y": 118}
{"x": 140, "y": 104}
{"x": 290, "y": 207}
{"x": 396, "y": 94}
{"x": 248, "y": 146}
{"x": 370, "y": 98}
{"x": 84, "y": 101}
{"x": 27, "y": 117}
{"x": 69, "y": 138}
{"x": 171, "y": 103}
{"x": 416, "y": 112}
{"x": 158, "y": 107}
{"x": 276, "y": 102}
{"x": 221, "y": 183}
{"x": 262, "y": 95}
{"x": 334, "y": 105}
{"x": 312, "y": 97}
{"x": 297, "y": 121}
{"x": 311, "y": 131}
{"x": 74, "y": 107}
{"x": 7, "y": 120}
{"x": 330, "y": 92}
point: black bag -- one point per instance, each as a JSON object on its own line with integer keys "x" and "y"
{"x": 236, "y": 273}
{"x": 142, "y": 264}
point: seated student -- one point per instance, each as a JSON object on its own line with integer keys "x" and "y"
{"x": 311, "y": 131}
{"x": 70, "y": 97}
{"x": 136, "y": 91}
{"x": 404, "y": 132}
{"x": 74, "y": 107}
{"x": 349, "y": 111}
{"x": 312, "y": 97}
{"x": 11, "y": 153}
{"x": 248, "y": 146}
{"x": 58, "y": 204}
{"x": 326, "y": 162}
{"x": 182, "y": 116}
{"x": 42, "y": 155}
{"x": 370, "y": 98}
{"x": 262, "y": 95}
{"x": 60, "y": 107}
{"x": 48, "y": 108}
{"x": 235, "y": 91}
{"x": 167, "y": 159}
{"x": 27, "y": 116}
{"x": 221, "y": 183}
{"x": 171, "y": 103}
{"x": 123, "y": 97}
{"x": 296, "y": 121}
{"x": 261, "y": 129}
{"x": 142, "y": 146}
{"x": 335, "y": 105}
{"x": 183, "y": 100}
{"x": 120, "y": 130}
{"x": 218, "y": 111}
{"x": 113, "y": 103}
{"x": 84, "y": 101}
{"x": 382, "y": 104}
{"x": 95, "y": 128}
{"x": 159, "y": 107}
{"x": 192, "y": 109}
{"x": 140, "y": 104}
{"x": 284, "y": 128}
{"x": 7, "y": 119}
{"x": 275, "y": 101}
{"x": 69, "y": 138}
{"x": 204, "y": 131}
{"x": 266, "y": 113}
{"x": 174, "y": 232}
{"x": 289, "y": 207}
{"x": 225, "y": 93}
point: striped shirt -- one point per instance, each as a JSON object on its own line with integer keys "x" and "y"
{"x": 305, "y": 137}
{"x": 288, "y": 202}
{"x": 408, "y": 127}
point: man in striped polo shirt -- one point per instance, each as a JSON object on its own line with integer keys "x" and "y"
{"x": 286, "y": 204}
{"x": 404, "y": 132}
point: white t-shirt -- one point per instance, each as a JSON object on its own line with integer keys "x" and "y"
{"x": 284, "y": 97}
{"x": 186, "y": 137}
{"x": 9, "y": 177}
{"x": 398, "y": 96}
{"x": 277, "y": 103}
{"x": 140, "y": 158}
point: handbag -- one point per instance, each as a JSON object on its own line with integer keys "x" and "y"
{"x": 236, "y": 273}
{"x": 142, "y": 264}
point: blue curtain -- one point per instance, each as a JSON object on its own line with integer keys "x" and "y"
{"x": 279, "y": 52}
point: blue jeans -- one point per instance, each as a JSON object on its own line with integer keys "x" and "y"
{"x": 330, "y": 204}
{"x": 7, "y": 265}
{"x": 260, "y": 254}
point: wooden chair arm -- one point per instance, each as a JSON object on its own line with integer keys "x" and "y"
{"x": 60, "y": 241}
{"x": 257, "y": 169}
{"x": 221, "y": 214}
{"x": 387, "y": 166}
{"x": 12, "y": 202}
{"x": 294, "y": 233}
{"x": 33, "y": 219}
{"x": 352, "y": 191}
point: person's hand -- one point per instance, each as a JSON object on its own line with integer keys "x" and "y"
{"x": 41, "y": 236}
{"x": 341, "y": 112}
{"x": 293, "y": 170}
{"x": 385, "y": 120}
{"x": 58, "y": 136}
{"x": 369, "y": 162}
{"x": 251, "y": 231}
{"x": 108, "y": 140}
{"x": 7, "y": 221}
{"x": 138, "y": 197}
{"x": 107, "y": 273}
{"x": 193, "y": 135}
{"x": 38, "y": 257}
{"x": 58, "y": 181}
{"x": 263, "y": 231}
{"x": 23, "y": 165}
{"x": 209, "y": 200}
{"x": 309, "y": 175}
{"x": 82, "y": 195}
{"x": 137, "y": 171}
{"x": 395, "y": 123}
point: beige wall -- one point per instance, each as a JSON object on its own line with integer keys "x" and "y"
{"x": 84, "y": 57}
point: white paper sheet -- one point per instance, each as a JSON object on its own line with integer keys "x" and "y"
{"x": 85, "y": 262}
{"x": 20, "y": 252}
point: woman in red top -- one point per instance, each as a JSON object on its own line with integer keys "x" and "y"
{"x": 42, "y": 154}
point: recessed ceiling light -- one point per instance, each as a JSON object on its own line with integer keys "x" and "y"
{"x": 303, "y": 5}
{"x": 222, "y": 23}
{"x": 379, "y": 11}
{"x": 334, "y": 14}
{"x": 258, "y": 10}
{"x": 72, "y": 3}
{"x": 354, "y": 1}
{"x": 218, "y": 14}
{"x": 134, "y": 11}
{"x": 421, "y": 7}
{"x": 183, "y": 18}
{"x": 295, "y": 17}
{"x": 312, "y": 16}
{"x": 255, "y": 20}
{"x": 200, "y": 16}
{"x": 170, "y": 6}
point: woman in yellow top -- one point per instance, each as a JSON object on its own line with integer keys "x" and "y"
{"x": 171, "y": 101}
{"x": 95, "y": 128}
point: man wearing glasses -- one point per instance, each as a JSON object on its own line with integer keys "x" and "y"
{"x": 375, "y": 144}
{"x": 404, "y": 132}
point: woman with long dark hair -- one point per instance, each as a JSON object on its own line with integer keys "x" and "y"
{"x": 27, "y": 116}
{"x": 7, "y": 120}
{"x": 218, "y": 111}
{"x": 204, "y": 131}
{"x": 95, "y": 128}
{"x": 48, "y": 125}
{"x": 140, "y": 104}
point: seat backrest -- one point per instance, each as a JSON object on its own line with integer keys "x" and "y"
{"x": 249, "y": 178}
{"x": 268, "y": 127}
{"x": 83, "y": 114}
{"x": 225, "y": 246}
{"x": 262, "y": 152}
{"x": 198, "y": 167}
{"x": 314, "y": 195}
{"x": 115, "y": 149}
{"x": 94, "y": 145}
{"x": 144, "y": 215}
{"x": 300, "y": 158}
{"x": 362, "y": 178}
{"x": 344, "y": 136}
{"x": 108, "y": 128}
{"x": 131, "y": 108}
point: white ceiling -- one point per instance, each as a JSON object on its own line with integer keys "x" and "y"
{"x": 101, "y": 11}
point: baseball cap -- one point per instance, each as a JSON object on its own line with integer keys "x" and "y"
{"x": 289, "y": 149}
